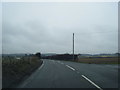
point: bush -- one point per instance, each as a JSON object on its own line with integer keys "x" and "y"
{"x": 38, "y": 55}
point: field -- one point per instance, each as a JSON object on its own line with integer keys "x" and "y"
{"x": 102, "y": 60}
{"x": 14, "y": 69}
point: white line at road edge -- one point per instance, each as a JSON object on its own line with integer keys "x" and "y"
{"x": 91, "y": 82}
{"x": 41, "y": 66}
{"x": 29, "y": 79}
{"x": 70, "y": 67}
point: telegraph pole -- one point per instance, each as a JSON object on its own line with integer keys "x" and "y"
{"x": 73, "y": 46}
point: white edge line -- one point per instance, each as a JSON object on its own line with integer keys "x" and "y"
{"x": 28, "y": 80}
{"x": 92, "y": 82}
{"x": 70, "y": 67}
{"x": 41, "y": 66}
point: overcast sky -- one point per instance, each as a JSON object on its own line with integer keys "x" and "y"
{"x": 48, "y": 27}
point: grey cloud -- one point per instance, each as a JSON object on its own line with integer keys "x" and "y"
{"x": 45, "y": 28}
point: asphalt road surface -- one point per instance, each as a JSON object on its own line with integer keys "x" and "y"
{"x": 65, "y": 74}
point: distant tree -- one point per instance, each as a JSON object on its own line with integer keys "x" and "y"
{"x": 117, "y": 53}
{"x": 38, "y": 54}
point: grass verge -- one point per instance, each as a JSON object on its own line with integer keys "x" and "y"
{"x": 13, "y": 72}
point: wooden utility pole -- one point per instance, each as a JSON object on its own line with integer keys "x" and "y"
{"x": 73, "y": 46}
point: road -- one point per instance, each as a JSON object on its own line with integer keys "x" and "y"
{"x": 65, "y": 74}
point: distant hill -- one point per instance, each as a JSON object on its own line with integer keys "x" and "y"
{"x": 53, "y": 54}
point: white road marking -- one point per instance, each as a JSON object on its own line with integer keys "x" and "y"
{"x": 92, "y": 82}
{"x": 31, "y": 78}
{"x": 41, "y": 66}
{"x": 70, "y": 67}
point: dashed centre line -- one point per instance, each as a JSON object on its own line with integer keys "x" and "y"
{"x": 70, "y": 67}
{"x": 91, "y": 82}
{"x": 83, "y": 76}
